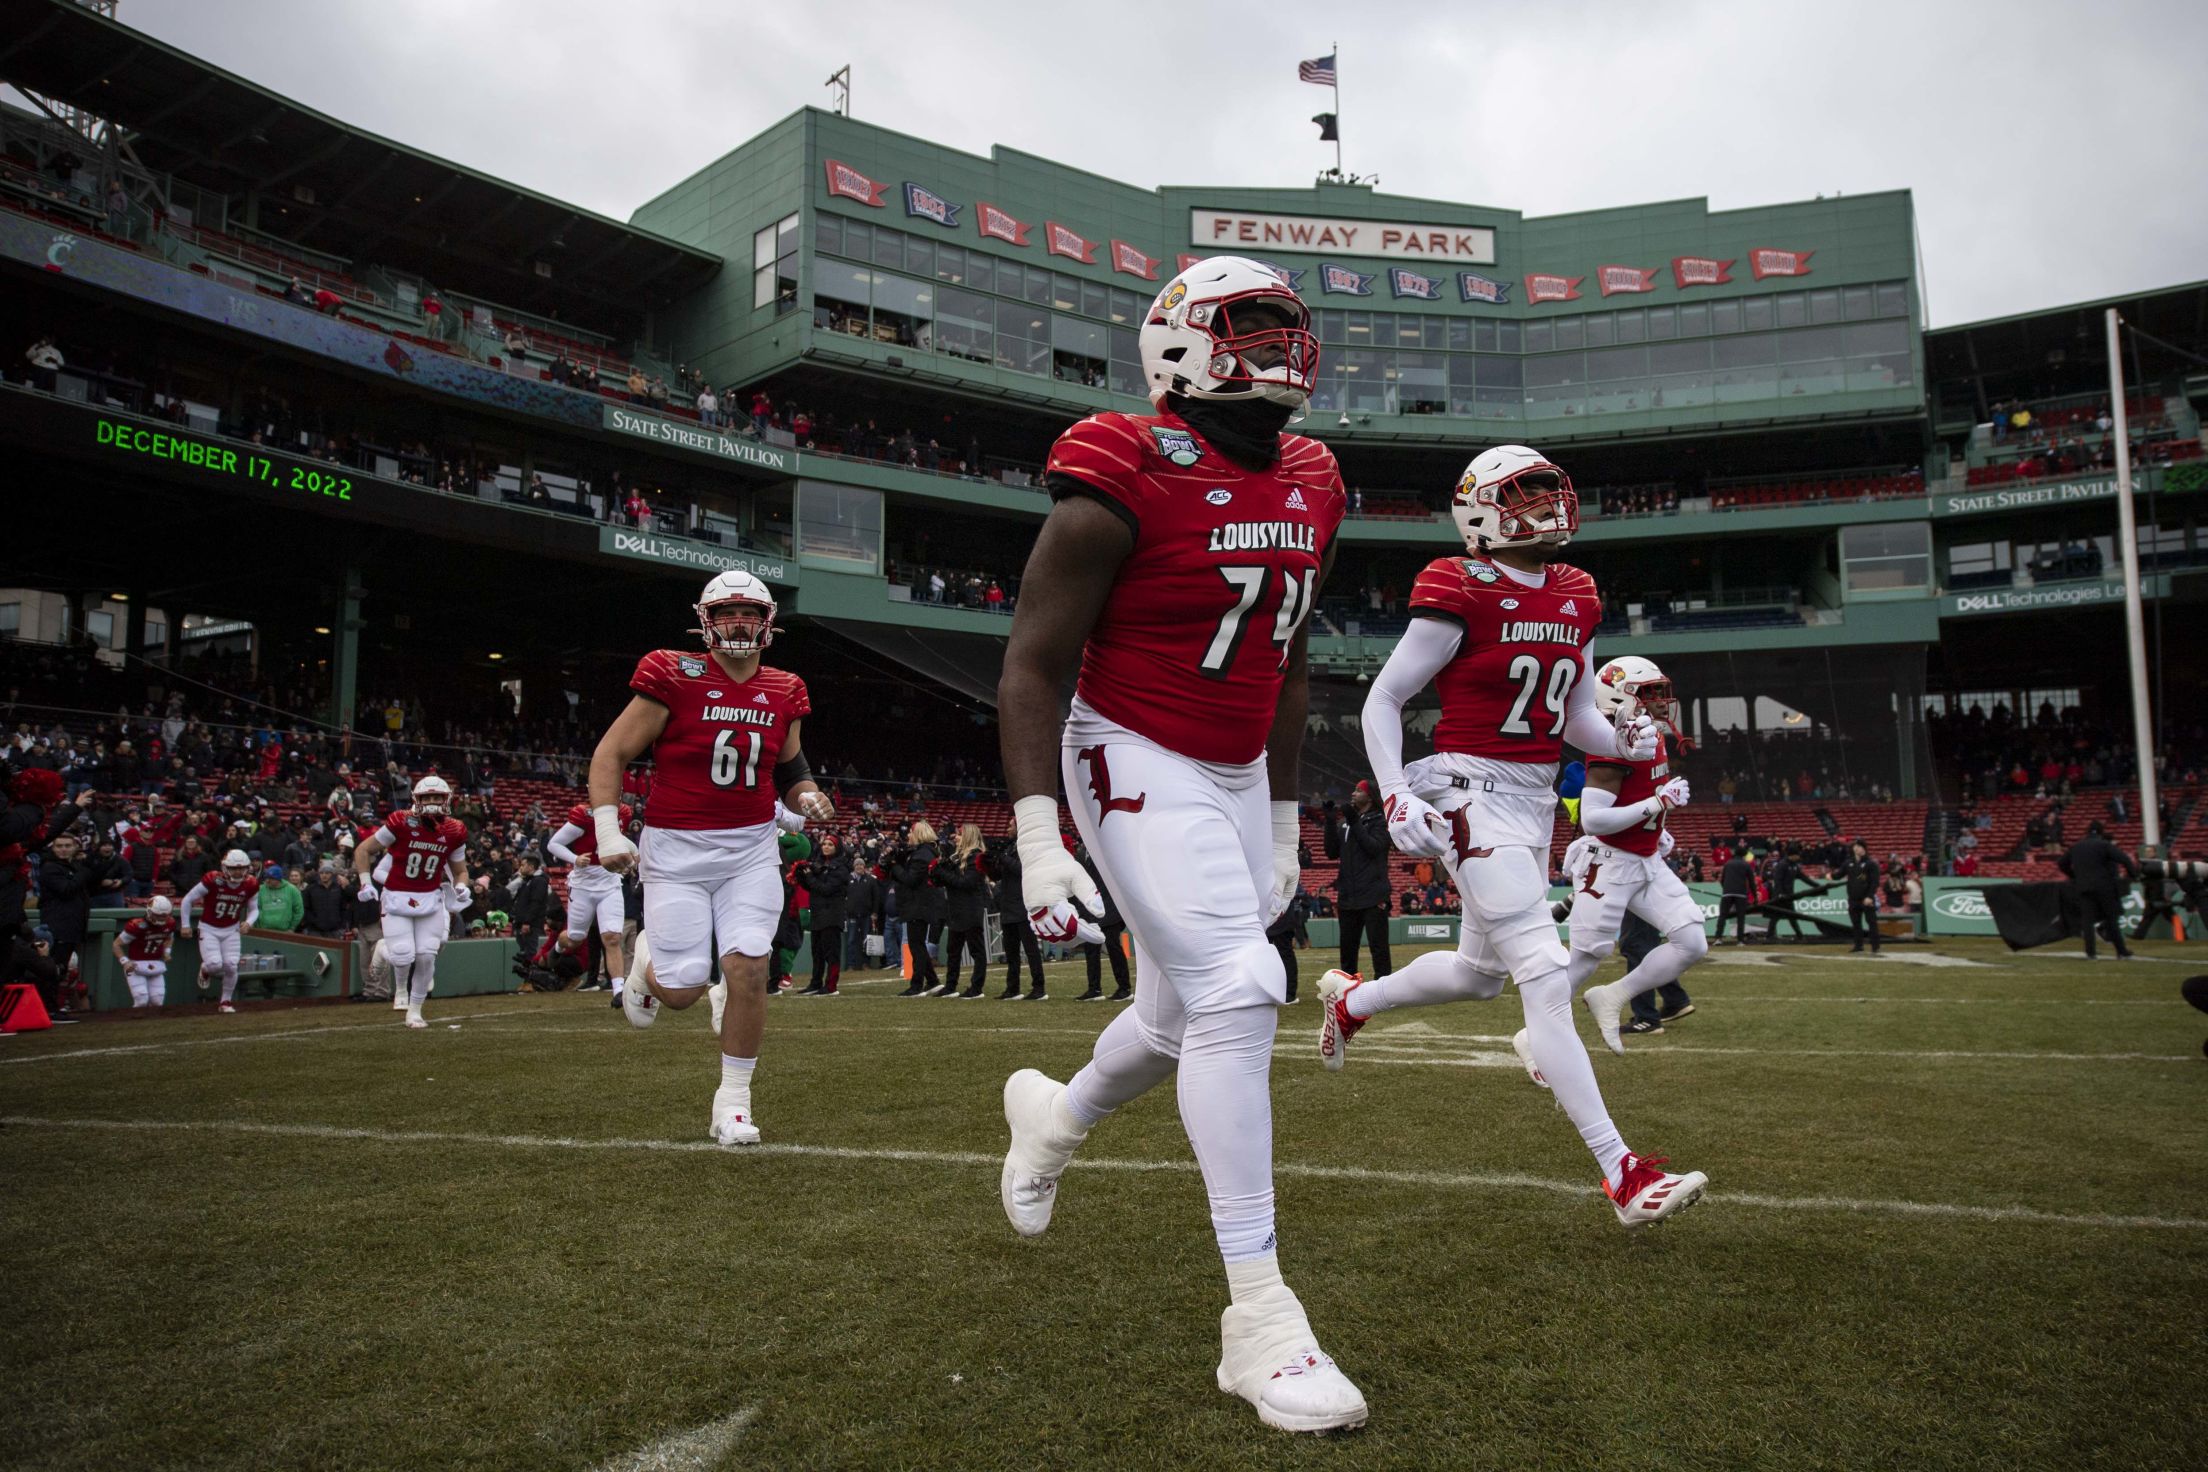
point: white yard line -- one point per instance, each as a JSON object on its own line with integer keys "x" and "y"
{"x": 700, "y": 1446}
{"x": 258, "y": 1037}
{"x": 1441, "y": 1180}
{"x": 1475, "y": 1059}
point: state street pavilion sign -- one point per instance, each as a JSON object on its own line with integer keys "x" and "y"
{"x": 716, "y": 443}
{"x": 1236, "y": 232}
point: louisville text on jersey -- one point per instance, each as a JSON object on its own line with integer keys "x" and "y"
{"x": 1264, "y": 536}
{"x": 741, "y": 715}
{"x": 1541, "y": 631}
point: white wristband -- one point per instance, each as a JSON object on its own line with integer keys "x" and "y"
{"x": 1287, "y": 825}
{"x": 607, "y": 820}
{"x": 1037, "y": 820}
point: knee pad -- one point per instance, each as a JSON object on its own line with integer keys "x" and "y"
{"x": 1690, "y": 940}
{"x": 683, "y": 972}
{"x": 398, "y": 946}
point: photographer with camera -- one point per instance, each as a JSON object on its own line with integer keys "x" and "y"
{"x": 918, "y": 903}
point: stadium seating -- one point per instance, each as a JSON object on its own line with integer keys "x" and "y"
{"x": 1858, "y": 486}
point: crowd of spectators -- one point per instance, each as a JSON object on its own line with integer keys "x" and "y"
{"x": 957, "y": 588}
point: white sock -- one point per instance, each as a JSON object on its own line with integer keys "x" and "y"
{"x": 1562, "y": 1059}
{"x": 620, "y": 983}
{"x": 1437, "y": 976}
{"x": 1226, "y": 1102}
{"x": 1252, "y": 1276}
{"x": 229, "y": 982}
{"x": 736, "y": 1073}
{"x": 424, "y": 978}
{"x": 1120, "y": 1068}
{"x": 402, "y": 984}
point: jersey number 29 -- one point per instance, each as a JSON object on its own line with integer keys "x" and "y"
{"x": 1560, "y": 676}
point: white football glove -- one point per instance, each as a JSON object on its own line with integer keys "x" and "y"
{"x": 1287, "y": 872}
{"x": 1577, "y": 856}
{"x": 1673, "y": 794}
{"x": 1665, "y": 843}
{"x": 1636, "y": 738}
{"x": 1052, "y": 881}
{"x": 1414, "y": 827}
{"x": 786, "y": 820}
{"x": 367, "y": 890}
{"x": 615, "y": 852}
{"x": 816, "y": 806}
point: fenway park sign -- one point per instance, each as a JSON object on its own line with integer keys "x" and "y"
{"x": 1234, "y": 232}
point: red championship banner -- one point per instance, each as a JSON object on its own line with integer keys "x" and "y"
{"x": 1700, "y": 271}
{"x": 1614, "y": 279}
{"x": 1183, "y": 261}
{"x": 1540, "y": 288}
{"x": 851, "y": 184}
{"x": 1779, "y": 262}
{"x": 999, "y": 225}
{"x": 1060, "y": 241}
{"x": 1133, "y": 262}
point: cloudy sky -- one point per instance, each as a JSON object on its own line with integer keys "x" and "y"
{"x": 2052, "y": 147}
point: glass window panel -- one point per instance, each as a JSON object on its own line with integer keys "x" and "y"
{"x": 1074, "y": 335}
{"x": 1005, "y": 273}
{"x": 1540, "y": 336}
{"x": 1632, "y": 326}
{"x": 762, "y": 286}
{"x": 1126, "y": 345}
{"x": 1856, "y": 301}
{"x": 762, "y": 248}
{"x": 1357, "y": 329}
{"x": 1484, "y": 336}
{"x": 785, "y": 284}
{"x": 1554, "y": 368}
{"x": 785, "y": 235}
{"x": 904, "y": 311}
{"x": 1679, "y": 374}
{"x": 1383, "y": 329}
{"x": 1499, "y": 388}
{"x": 840, "y": 523}
{"x": 1600, "y": 330}
{"x": 1410, "y": 331}
{"x": 1508, "y": 337}
{"x": 965, "y": 325}
{"x": 1662, "y": 322}
{"x": 1460, "y": 334}
{"x": 1824, "y": 306}
{"x": 1126, "y": 307}
{"x": 1330, "y": 326}
{"x": 858, "y": 240}
{"x": 838, "y": 281}
{"x": 1570, "y": 332}
{"x": 1093, "y": 300}
{"x": 1065, "y": 293}
{"x": 1814, "y": 345}
{"x": 1756, "y": 314}
{"x": 1038, "y": 287}
{"x": 1126, "y": 378}
{"x": 889, "y": 248}
{"x": 1694, "y": 320}
{"x": 1886, "y": 557}
{"x": 1605, "y": 365}
{"x": 1747, "y": 367}
{"x": 1793, "y": 310}
{"x": 1724, "y": 316}
{"x": 1893, "y": 300}
{"x": 1463, "y": 400}
{"x": 1363, "y": 380}
{"x": 1422, "y": 383}
{"x": 1871, "y": 339}
{"x": 921, "y": 260}
{"x": 828, "y": 234}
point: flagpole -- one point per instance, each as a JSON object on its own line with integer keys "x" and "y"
{"x": 1337, "y": 85}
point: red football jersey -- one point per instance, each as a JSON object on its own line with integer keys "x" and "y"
{"x": 1641, "y": 781}
{"x": 713, "y": 767}
{"x": 1505, "y": 693}
{"x": 585, "y": 848}
{"x": 147, "y": 939}
{"x": 227, "y": 899}
{"x": 420, "y": 849}
{"x": 1191, "y": 643}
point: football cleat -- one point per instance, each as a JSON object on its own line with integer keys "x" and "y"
{"x": 1645, "y": 1195}
{"x": 732, "y": 1121}
{"x": 1521, "y": 1043}
{"x": 227, "y": 1007}
{"x": 414, "y": 1019}
{"x": 1038, "y": 1152}
{"x": 1606, "y": 1005}
{"x": 1269, "y": 1356}
{"x": 1336, "y": 1026}
{"x": 398, "y": 997}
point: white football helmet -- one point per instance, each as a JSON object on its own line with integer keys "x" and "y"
{"x": 235, "y": 864}
{"x": 1511, "y": 496}
{"x": 160, "y": 908}
{"x": 432, "y": 797}
{"x": 1227, "y": 328}
{"x": 1631, "y": 686}
{"x": 736, "y": 614}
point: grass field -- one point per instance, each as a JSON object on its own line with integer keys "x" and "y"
{"x": 1956, "y": 1218}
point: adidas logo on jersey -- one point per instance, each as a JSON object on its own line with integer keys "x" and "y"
{"x": 761, "y": 698}
{"x": 1570, "y": 606}
{"x": 1295, "y": 499}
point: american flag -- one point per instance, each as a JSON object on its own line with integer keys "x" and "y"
{"x": 1319, "y": 70}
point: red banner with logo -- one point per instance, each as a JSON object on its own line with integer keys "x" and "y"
{"x": 1060, "y": 241}
{"x": 1127, "y": 259}
{"x": 1183, "y": 261}
{"x": 1779, "y": 262}
{"x": 1541, "y": 288}
{"x": 1614, "y": 279}
{"x": 999, "y": 225}
{"x": 851, "y": 184}
{"x": 1689, "y": 271}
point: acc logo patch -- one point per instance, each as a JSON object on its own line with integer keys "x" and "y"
{"x": 1219, "y": 495}
{"x": 690, "y": 664}
{"x": 1177, "y": 445}
{"x": 1174, "y": 294}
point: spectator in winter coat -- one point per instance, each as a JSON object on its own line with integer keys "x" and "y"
{"x": 917, "y": 903}
{"x": 827, "y": 877}
{"x": 1019, "y": 936}
{"x": 862, "y": 915}
{"x": 1359, "y": 840}
{"x": 324, "y": 901}
{"x": 965, "y": 904}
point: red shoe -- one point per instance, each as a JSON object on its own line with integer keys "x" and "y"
{"x": 1336, "y": 1026}
{"x": 1645, "y": 1195}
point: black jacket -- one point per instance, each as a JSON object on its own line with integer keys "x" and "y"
{"x": 64, "y": 897}
{"x": 862, "y": 902}
{"x": 532, "y": 901}
{"x": 1004, "y": 867}
{"x": 965, "y": 892}
{"x": 107, "y": 879}
{"x": 918, "y": 902}
{"x": 1112, "y": 920}
{"x": 18, "y": 821}
{"x": 1782, "y": 874}
{"x": 1737, "y": 877}
{"x": 325, "y": 906}
{"x": 1360, "y": 842}
{"x": 828, "y": 881}
{"x": 1862, "y": 875}
{"x": 2095, "y": 864}
{"x": 186, "y": 870}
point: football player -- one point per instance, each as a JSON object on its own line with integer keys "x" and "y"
{"x": 1619, "y": 864}
{"x": 233, "y": 900}
{"x": 142, "y": 945}
{"x": 1179, "y": 560}
{"x": 593, "y": 891}
{"x": 424, "y": 845}
{"x": 1506, "y": 634}
{"x": 723, "y": 730}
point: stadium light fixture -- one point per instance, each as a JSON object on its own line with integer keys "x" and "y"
{"x": 494, "y": 656}
{"x": 321, "y": 628}
{"x": 118, "y": 597}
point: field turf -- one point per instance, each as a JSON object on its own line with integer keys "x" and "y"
{"x": 1957, "y": 1218}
